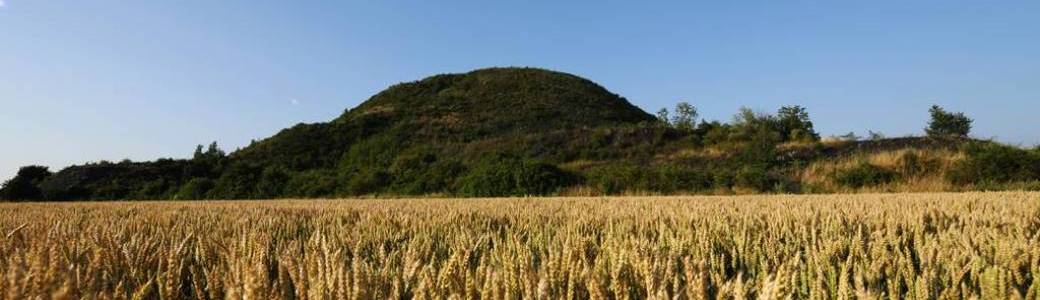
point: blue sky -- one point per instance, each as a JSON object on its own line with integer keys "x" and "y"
{"x": 88, "y": 80}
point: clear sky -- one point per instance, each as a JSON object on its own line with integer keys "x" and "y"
{"x": 89, "y": 80}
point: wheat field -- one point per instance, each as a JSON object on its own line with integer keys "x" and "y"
{"x": 885, "y": 246}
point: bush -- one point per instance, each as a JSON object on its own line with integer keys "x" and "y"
{"x": 239, "y": 181}
{"x": 912, "y": 164}
{"x": 423, "y": 172}
{"x": 512, "y": 177}
{"x": 991, "y": 162}
{"x": 714, "y": 132}
{"x": 794, "y": 124}
{"x": 366, "y": 182}
{"x": 272, "y": 183}
{"x": 614, "y": 179}
{"x": 195, "y": 189}
{"x": 864, "y": 175}
{"x": 154, "y": 190}
{"x": 755, "y": 178}
{"x": 758, "y": 152}
{"x": 676, "y": 178}
{"x": 723, "y": 180}
{"x": 311, "y": 184}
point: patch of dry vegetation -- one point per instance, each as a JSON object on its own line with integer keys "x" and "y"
{"x": 917, "y": 171}
{"x": 945, "y": 246}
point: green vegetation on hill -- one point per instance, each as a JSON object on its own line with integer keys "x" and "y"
{"x": 525, "y": 131}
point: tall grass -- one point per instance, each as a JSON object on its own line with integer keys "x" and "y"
{"x": 934, "y": 246}
{"x": 918, "y": 171}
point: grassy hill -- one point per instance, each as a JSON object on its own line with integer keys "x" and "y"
{"x": 449, "y": 111}
{"x": 526, "y": 131}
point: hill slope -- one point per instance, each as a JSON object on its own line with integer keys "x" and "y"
{"x": 414, "y": 138}
{"x": 525, "y": 131}
{"x": 451, "y": 109}
{"x": 496, "y": 101}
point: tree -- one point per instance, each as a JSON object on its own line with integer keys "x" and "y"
{"x": 238, "y": 181}
{"x": 750, "y": 125}
{"x": 685, "y": 116}
{"x": 211, "y": 153}
{"x": 207, "y": 163}
{"x": 272, "y": 183}
{"x": 25, "y": 185}
{"x": 875, "y": 135}
{"x": 947, "y": 124}
{"x": 850, "y": 137}
{"x": 662, "y": 115}
{"x": 195, "y": 189}
{"x": 794, "y": 124}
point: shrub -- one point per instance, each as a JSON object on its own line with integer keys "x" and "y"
{"x": 864, "y": 175}
{"x": 758, "y": 152}
{"x": 512, "y": 177}
{"x": 239, "y": 181}
{"x": 991, "y": 162}
{"x": 272, "y": 183}
{"x": 195, "y": 189}
{"x": 749, "y": 125}
{"x": 311, "y": 184}
{"x": 685, "y": 116}
{"x": 721, "y": 179}
{"x": 536, "y": 178}
{"x": 755, "y": 178}
{"x": 614, "y": 179}
{"x": 912, "y": 164}
{"x": 794, "y": 124}
{"x": 675, "y": 177}
{"x": 368, "y": 181}
{"x": 154, "y": 189}
{"x": 424, "y": 171}
{"x": 714, "y": 132}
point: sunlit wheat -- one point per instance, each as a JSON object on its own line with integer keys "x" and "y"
{"x": 925, "y": 246}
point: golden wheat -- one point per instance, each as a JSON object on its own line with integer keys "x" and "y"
{"x": 925, "y": 246}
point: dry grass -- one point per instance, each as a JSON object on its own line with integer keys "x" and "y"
{"x": 820, "y": 174}
{"x": 945, "y": 246}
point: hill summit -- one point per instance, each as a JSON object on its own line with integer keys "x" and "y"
{"x": 450, "y": 110}
{"x": 495, "y": 101}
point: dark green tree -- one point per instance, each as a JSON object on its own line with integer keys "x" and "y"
{"x": 367, "y": 181}
{"x": 25, "y": 185}
{"x": 213, "y": 152}
{"x": 207, "y": 162}
{"x": 794, "y": 124}
{"x": 238, "y": 181}
{"x": 195, "y": 189}
{"x": 947, "y": 124}
{"x": 273, "y": 182}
